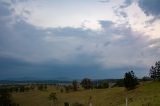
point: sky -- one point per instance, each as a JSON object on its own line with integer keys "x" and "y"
{"x": 74, "y": 39}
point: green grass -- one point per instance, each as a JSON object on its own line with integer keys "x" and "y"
{"x": 146, "y": 93}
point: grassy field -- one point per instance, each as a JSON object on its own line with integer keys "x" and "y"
{"x": 146, "y": 94}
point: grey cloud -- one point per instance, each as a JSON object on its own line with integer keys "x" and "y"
{"x": 17, "y": 1}
{"x": 68, "y": 31}
{"x": 14, "y": 68}
{"x": 106, "y": 24}
{"x": 126, "y": 3}
{"x": 121, "y": 13}
{"x": 4, "y": 10}
{"x": 17, "y": 68}
{"x": 72, "y": 51}
{"x": 127, "y": 48}
{"x": 150, "y": 7}
{"x": 107, "y": 43}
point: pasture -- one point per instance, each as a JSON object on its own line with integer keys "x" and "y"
{"x": 146, "y": 94}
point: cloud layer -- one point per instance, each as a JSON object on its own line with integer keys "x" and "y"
{"x": 29, "y": 50}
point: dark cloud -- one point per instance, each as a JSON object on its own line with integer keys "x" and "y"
{"x": 26, "y": 43}
{"x": 150, "y": 7}
{"x": 14, "y": 68}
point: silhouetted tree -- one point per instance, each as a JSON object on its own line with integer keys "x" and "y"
{"x": 87, "y": 83}
{"x": 75, "y": 85}
{"x": 155, "y": 71}
{"x": 130, "y": 80}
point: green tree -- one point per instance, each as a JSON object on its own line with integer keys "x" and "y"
{"x": 155, "y": 71}
{"x": 130, "y": 80}
{"x": 87, "y": 83}
{"x": 75, "y": 85}
{"x": 152, "y": 72}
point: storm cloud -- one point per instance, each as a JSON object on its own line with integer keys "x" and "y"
{"x": 28, "y": 50}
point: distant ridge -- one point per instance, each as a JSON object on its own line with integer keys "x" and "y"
{"x": 35, "y": 79}
{"x": 22, "y": 79}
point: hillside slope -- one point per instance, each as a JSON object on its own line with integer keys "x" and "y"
{"x": 146, "y": 94}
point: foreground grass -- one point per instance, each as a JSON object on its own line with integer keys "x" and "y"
{"x": 146, "y": 94}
